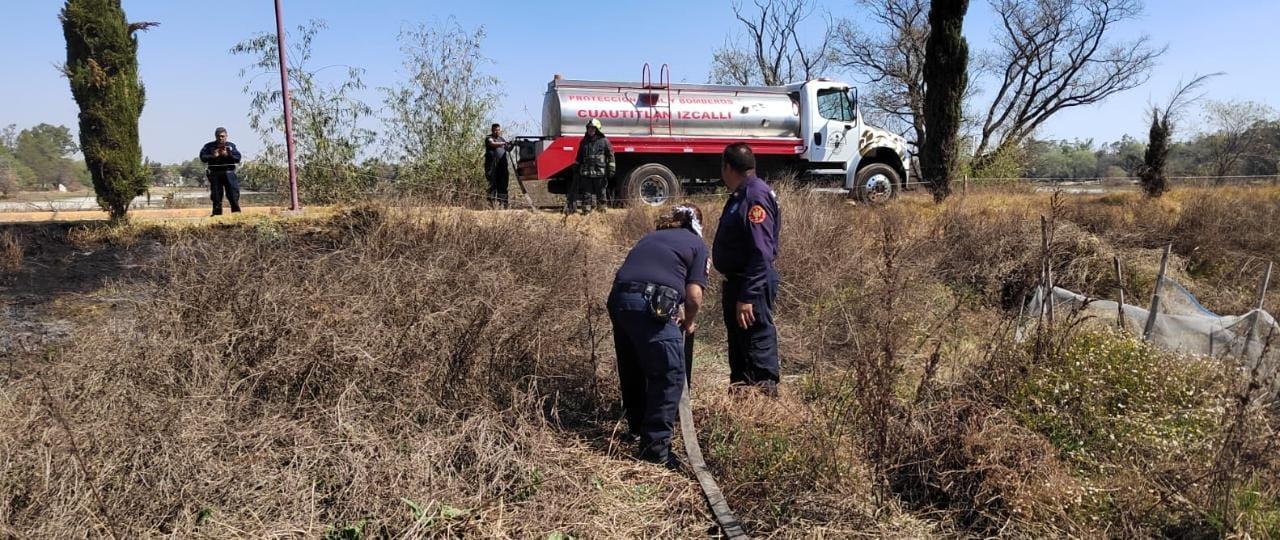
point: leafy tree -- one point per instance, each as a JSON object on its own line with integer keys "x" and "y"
{"x": 438, "y": 115}
{"x": 1062, "y": 159}
{"x": 328, "y": 135}
{"x": 8, "y": 181}
{"x": 21, "y": 174}
{"x": 1124, "y": 155}
{"x": 102, "y": 66}
{"x": 44, "y": 149}
{"x": 155, "y": 172}
{"x": 192, "y": 172}
{"x": 9, "y": 137}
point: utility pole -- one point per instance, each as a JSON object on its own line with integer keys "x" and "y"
{"x": 288, "y": 109}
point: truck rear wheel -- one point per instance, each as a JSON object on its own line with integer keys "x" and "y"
{"x": 876, "y": 183}
{"x": 650, "y": 184}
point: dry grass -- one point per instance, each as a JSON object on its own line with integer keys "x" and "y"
{"x": 11, "y": 251}
{"x": 321, "y": 377}
{"x": 398, "y": 372}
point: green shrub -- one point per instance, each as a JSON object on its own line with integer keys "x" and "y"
{"x": 1108, "y": 398}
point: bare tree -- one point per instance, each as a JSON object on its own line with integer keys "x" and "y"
{"x": 1056, "y": 54}
{"x": 731, "y": 64}
{"x": 776, "y": 52}
{"x": 889, "y": 62}
{"x": 1233, "y": 137}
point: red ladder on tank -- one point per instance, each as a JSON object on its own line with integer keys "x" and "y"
{"x": 650, "y": 98}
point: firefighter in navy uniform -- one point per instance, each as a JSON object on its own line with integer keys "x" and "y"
{"x": 655, "y": 300}
{"x": 593, "y": 167}
{"x": 744, "y": 250}
{"x": 221, "y": 157}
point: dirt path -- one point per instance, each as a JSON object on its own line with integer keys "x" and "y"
{"x": 99, "y": 215}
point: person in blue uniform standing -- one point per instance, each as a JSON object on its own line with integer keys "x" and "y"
{"x": 221, "y": 157}
{"x": 744, "y": 250}
{"x": 655, "y": 300}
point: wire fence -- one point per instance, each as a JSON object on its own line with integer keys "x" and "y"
{"x": 443, "y": 192}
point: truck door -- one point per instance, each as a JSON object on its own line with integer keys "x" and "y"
{"x": 830, "y": 122}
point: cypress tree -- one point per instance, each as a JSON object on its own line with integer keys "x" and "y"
{"x": 102, "y": 67}
{"x": 946, "y": 74}
{"x": 1154, "y": 183}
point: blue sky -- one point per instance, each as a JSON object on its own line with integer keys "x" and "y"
{"x": 192, "y": 82}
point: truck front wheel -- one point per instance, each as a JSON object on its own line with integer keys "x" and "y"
{"x": 651, "y": 184}
{"x": 876, "y": 183}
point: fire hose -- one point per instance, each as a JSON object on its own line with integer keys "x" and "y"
{"x": 729, "y": 524}
{"x": 514, "y": 170}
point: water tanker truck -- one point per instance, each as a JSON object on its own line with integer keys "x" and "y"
{"x": 668, "y": 137}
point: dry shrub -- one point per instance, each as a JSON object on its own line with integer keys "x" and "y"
{"x": 1125, "y": 220}
{"x": 995, "y": 253}
{"x": 780, "y": 470}
{"x": 11, "y": 251}
{"x": 636, "y": 221}
{"x": 381, "y": 374}
{"x": 1225, "y": 229}
{"x": 975, "y": 463}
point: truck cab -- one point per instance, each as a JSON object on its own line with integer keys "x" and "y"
{"x": 874, "y": 163}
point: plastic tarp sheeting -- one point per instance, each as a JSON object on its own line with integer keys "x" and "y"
{"x": 1182, "y": 325}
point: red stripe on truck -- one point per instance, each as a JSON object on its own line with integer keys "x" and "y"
{"x": 562, "y": 152}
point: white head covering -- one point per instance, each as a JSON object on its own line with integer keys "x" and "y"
{"x": 693, "y": 218}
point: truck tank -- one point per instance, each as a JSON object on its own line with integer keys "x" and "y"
{"x": 682, "y": 110}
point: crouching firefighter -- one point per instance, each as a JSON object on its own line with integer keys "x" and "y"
{"x": 592, "y": 169}
{"x": 655, "y": 300}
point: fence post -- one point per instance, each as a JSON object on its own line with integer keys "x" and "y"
{"x": 1120, "y": 287}
{"x": 1046, "y": 265}
{"x": 1257, "y": 315}
{"x": 1262, "y": 287}
{"x": 1155, "y": 295}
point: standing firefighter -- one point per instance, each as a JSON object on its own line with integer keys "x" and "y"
{"x": 744, "y": 250}
{"x": 221, "y": 157}
{"x": 496, "y": 169}
{"x": 667, "y": 269}
{"x": 592, "y": 169}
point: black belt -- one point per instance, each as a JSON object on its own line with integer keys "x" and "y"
{"x": 630, "y": 286}
{"x": 213, "y": 170}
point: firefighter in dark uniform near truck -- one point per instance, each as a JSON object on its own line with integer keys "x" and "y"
{"x": 744, "y": 250}
{"x": 221, "y": 157}
{"x": 593, "y": 167}
{"x": 496, "y": 169}
{"x": 655, "y": 300}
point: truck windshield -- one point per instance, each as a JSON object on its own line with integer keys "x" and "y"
{"x": 834, "y": 104}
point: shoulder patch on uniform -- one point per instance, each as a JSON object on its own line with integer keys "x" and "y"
{"x": 756, "y": 214}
